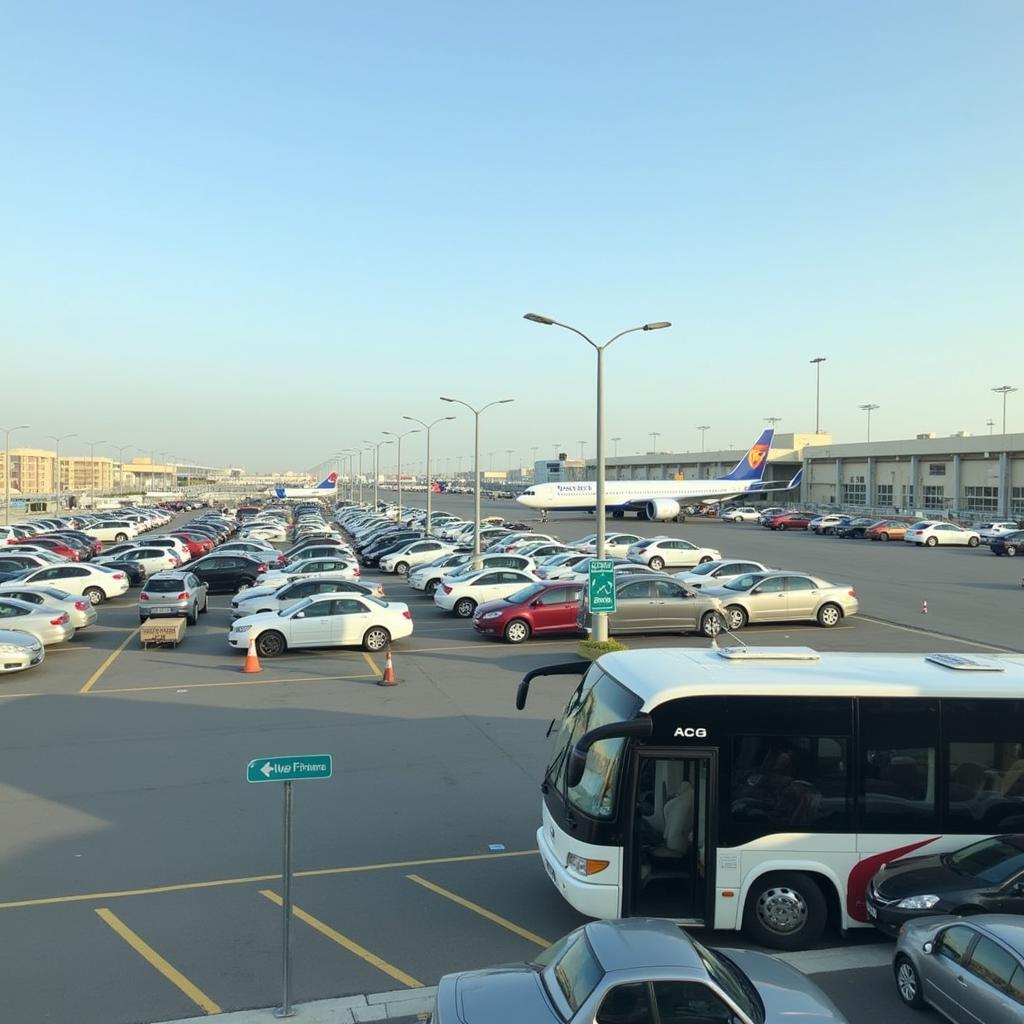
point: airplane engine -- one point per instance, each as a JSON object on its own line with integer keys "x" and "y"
{"x": 663, "y": 508}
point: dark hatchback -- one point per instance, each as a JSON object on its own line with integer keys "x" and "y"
{"x": 224, "y": 574}
{"x": 1008, "y": 543}
{"x": 134, "y": 571}
{"x": 854, "y": 527}
{"x": 985, "y": 877}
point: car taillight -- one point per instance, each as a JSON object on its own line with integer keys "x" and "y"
{"x": 81, "y": 606}
{"x": 263, "y": 567}
{"x": 852, "y": 592}
{"x": 60, "y": 620}
{"x": 407, "y": 614}
{"x": 446, "y": 588}
{"x": 118, "y": 575}
{"x": 143, "y": 596}
{"x": 183, "y": 597}
{"x": 641, "y": 551}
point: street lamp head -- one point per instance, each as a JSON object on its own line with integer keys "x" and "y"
{"x": 504, "y": 401}
{"x": 537, "y": 318}
{"x": 448, "y": 417}
{"x": 818, "y": 359}
{"x": 657, "y": 325}
{"x": 443, "y": 399}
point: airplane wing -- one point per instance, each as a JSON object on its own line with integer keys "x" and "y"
{"x": 792, "y": 485}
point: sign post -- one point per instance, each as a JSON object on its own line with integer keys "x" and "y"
{"x": 299, "y": 768}
{"x": 601, "y": 585}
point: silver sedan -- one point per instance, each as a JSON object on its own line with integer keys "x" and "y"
{"x": 639, "y": 969}
{"x": 776, "y": 596}
{"x": 19, "y": 651}
{"x": 47, "y": 623}
{"x": 80, "y": 609}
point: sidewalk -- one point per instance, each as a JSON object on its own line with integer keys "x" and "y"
{"x": 404, "y": 1006}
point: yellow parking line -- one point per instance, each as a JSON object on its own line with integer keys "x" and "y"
{"x": 482, "y": 911}
{"x": 154, "y": 959}
{"x": 353, "y": 947}
{"x": 88, "y": 897}
{"x": 374, "y": 667}
{"x": 94, "y": 678}
{"x": 235, "y": 682}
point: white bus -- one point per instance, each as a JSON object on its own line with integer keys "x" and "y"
{"x": 762, "y": 788}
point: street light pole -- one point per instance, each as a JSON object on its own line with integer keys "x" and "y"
{"x": 430, "y": 491}
{"x": 121, "y": 449}
{"x": 376, "y": 468}
{"x": 772, "y": 420}
{"x": 600, "y": 628}
{"x": 92, "y": 472}
{"x": 655, "y": 434}
{"x": 704, "y": 428}
{"x": 7, "y": 469}
{"x": 869, "y": 408}
{"x": 399, "y": 437}
{"x": 615, "y": 441}
{"x": 476, "y": 466}
{"x": 817, "y": 361}
{"x": 582, "y": 445}
{"x": 1006, "y": 389}
{"x": 54, "y": 437}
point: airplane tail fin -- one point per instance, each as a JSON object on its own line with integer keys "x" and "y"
{"x": 328, "y": 483}
{"x": 751, "y": 467}
{"x": 798, "y": 477}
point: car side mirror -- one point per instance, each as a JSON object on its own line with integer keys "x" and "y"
{"x": 535, "y": 604}
{"x": 300, "y": 615}
{"x": 928, "y": 947}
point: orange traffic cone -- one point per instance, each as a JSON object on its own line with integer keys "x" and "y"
{"x": 388, "y": 679}
{"x": 252, "y": 663}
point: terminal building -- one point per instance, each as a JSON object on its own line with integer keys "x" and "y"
{"x": 974, "y": 476}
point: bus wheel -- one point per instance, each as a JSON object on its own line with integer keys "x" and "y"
{"x": 785, "y": 910}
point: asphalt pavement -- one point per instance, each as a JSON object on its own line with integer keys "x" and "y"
{"x": 141, "y": 874}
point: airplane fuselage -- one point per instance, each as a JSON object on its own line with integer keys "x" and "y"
{"x": 628, "y": 495}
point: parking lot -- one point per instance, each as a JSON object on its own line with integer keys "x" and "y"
{"x": 142, "y": 873}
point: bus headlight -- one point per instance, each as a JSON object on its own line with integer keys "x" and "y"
{"x": 584, "y": 866}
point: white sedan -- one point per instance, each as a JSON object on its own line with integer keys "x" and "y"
{"x": 342, "y": 568}
{"x": 96, "y": 582}
{"x": 80, "y": 612}
{"x": 931, "y": 533}
{"x": 19, "y": 650}
{"x": 152, "y": 559}
{"x": 268, "y": 532}
{"x": 662, "y": 552}
{"x": 273, "y": 599}
{"x": 328, "y": 620}
{"x": 462, "y": 595}
{"x": 416, "y": 552}
{"x": 746, "y": 514}
{"x": 616, "y": 545}
{"x": 718, "y": 573}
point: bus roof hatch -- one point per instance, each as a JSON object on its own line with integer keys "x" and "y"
{"x": 963, "y": 664}
{"x": 768, "y": 654}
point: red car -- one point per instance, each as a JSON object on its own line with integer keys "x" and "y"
{"x": 790, "y": 521}
{"x": 56, "y": 546}
{"x": 539, "y": 608}
{"x": 197, "y": 545}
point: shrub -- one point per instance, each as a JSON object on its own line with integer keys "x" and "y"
{"x": 593, "y": 649}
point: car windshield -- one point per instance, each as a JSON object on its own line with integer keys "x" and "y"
{"x": 704, "y": 568}
{"x": 571, "y": 969}
{"x": 992, "y": 861}
{"x": 745, "y": 582}
{"x": 297, "y": 606}
{"x": 526, "y": 594}
{"x": 158, "y": 586}
{"x": 731, "y": 980}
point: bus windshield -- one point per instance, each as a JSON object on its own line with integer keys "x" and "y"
{"x": 599, "y": 700}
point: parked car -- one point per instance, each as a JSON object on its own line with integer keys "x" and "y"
{"x": 886, "y": 529}
{"x": 173, "y": 594}
{"x": 414, "y": 553}
{"x": 718, "y": 572}
{"x": 670, "y": 552}
{"x": 1008, "y": 543}
{"x": 930, "y": 533}
{"x": 969, "y": 969}
{"x": 778, "y": 596}
{"x": 559, "y": 566}
{"x": 273, "y": 599}
{"x": 152, "y": 559}
{"x": 744, "y": 514}
{"x": 327, "y": 620}
{"x": 767, "y": 514}
{"x": 989, "y": 531}
{"x": 19, "y": 651}
{"x": 98, "y": 583}
{"x": 47, "y": 623}
{"x": 635, "y": 970}
{"x": 81, "y": 612}
{"x": 616, "y": 545}
{"x": 986, "y": 876}
{"x": 113, "y": 529}
{"x": 227, "y": 573}
{"x": 462, "y": 595}
{"x": 790, "y": 521}
{"x": 63, "y": 549}
{"x": 657, "y": 604}
{"x": 827, "y": 524}
{"x": 428, "y": 577}
{"x": 134, "y": 571}
{"x": 855, "y": 528}
{"x": 537, "y": 609}
{"x": 343, "y": 568}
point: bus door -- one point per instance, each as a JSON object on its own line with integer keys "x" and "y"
{"x": 671, "y": 839}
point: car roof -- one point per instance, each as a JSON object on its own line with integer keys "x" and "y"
{"x": 641, "y": 942}
{"x": 1008, "y": 927}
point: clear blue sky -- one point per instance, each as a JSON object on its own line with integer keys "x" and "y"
{"x": 259, "y": 232}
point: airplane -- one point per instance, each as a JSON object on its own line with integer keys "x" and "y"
{"x": 327, "y": 488}
{"x": 660, "y": 499}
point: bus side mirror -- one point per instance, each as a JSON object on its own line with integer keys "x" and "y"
{"x": 569, "y": 668}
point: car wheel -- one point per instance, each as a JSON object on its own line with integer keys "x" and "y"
{"x": 95, "y": 595}
{"x": 829, "y": 615}
{"x": 972, "y": 542}
{"x": 517, "y": 631}
{"x": 431, "y": 586}
{"x": 711, "y": 624}
{"x": 193, "y": 617}
{"x": 120, "y": 537}
{"x": 376, "y": 639}
{"x": 883, "y": 536}
{"x": 402, "y": 568}
{"x": 1011, "y": 550}
{"x": 143, "y": 618}
{"x": 706, "y": 558}
{"x": 932, "y": 541}
{"x": 206, "y": 606}
{"x": 465, "y": 607}
{"x": 781, "y": 527}
{"x": 657, "y": 564}
{"x": 243, "y": 585}
{"x": 735, "y": 617}
{"x": 270, "y": 644}
{"x": 785, "y": 910}
{"x": 908, "y": 984}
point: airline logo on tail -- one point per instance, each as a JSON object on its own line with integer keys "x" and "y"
{"x": 752, "y": 465}
{"x": 757, "y": 455}
{"x": 329, "y": 483}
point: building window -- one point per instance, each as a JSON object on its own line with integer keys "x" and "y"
{"x": 855, "y": 493}
{"x": 907, "y": 491}
{"x": 981, "y": 499}
{"x": 1017, "y": 502}
{"x": 883, "y": 494}
{"x": 936, "y": 469}
{"x": 934, "y": 497}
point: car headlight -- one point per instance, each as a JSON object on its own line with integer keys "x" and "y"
{"x": 492, "y": 615}
{"x": 235, "y": 628}
{"x": 584, "y": 866}
{"x": 918, "y": 902}
{"x": 12, "y": 649}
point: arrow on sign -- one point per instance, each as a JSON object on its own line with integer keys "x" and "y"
{"x": 267, "y": 769}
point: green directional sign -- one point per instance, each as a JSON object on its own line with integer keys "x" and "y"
{"x": 601, "y": 585}
{"x": 295, "y": 768}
